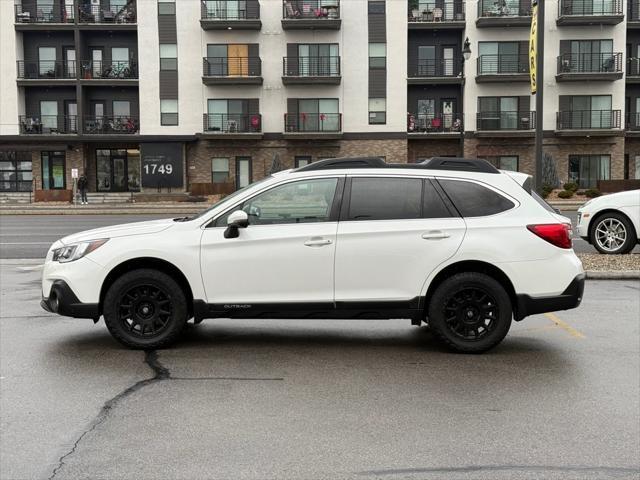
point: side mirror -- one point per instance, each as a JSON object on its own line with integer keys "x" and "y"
{"x": 237, "y": 220}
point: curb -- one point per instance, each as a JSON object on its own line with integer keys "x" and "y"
{"x": 613, "y": 275}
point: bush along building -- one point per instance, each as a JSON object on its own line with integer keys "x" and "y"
{"x": 208, "y": 96}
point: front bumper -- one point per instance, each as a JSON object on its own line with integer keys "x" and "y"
{"x": 63, "y": 301}
{"x": 568, "y": 299}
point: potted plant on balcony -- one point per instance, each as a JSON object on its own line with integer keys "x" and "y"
{"x": 414, "y": 8}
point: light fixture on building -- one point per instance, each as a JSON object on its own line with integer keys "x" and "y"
{"x": 466, "y": 49}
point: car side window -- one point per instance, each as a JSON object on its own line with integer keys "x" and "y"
{"x": 474, "y": 200}
{"x": 385, "y": 198}
{"x": 305, "y": 201}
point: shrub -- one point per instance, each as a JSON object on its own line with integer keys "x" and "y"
{"x": 571, "y": 187}
{"x": 592, "y": 193}
{"x": 546, "y": 190}
{"x": 565, "y": 194}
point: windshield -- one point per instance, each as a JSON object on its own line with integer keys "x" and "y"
{"x": 228, "y": 198}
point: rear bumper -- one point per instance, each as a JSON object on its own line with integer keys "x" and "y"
{"x": 63, "y": 301}
{"x": 568, "y": 299}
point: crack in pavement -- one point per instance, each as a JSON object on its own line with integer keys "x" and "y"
{"x": 506, "y": 468}
{"x": 161, "y": 373}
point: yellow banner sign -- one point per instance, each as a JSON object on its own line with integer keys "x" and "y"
{"x": 533, "y": 47}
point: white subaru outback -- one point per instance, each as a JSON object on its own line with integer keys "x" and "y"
{"x": 451, "y": 242}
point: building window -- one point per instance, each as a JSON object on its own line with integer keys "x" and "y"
{"x": 504, "y": 162}
{"x": 302, "y": 160}
{"x": 499, "y": 113}
{"x": 236, "y": 60}
{"x": 219, "y": 170}
{"x": 377, "y": 111}
{"x": 315, "y": 115}
{"x": 15, "y": 171}
{"x": 226, "y": 9}
{"x": 166, "y": 7}
{"x": 168, "y": 112}
{"x": 315, "y": 60}
{"x": 587, "y": 111}
{"x": 377, "y": 55}
{"x": 233, "y": 116}
{"x": 168, "y": 56}
{"x": 501, "y": 57}
{"x": 53, "y": 170}
{"x": 47, "y": 61}
{"x": 586, "y": 170}
{"x": 243, "y": 171}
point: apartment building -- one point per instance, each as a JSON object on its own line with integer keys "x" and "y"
{"x": 207, "y": 96}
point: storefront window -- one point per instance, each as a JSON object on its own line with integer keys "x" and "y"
{"x": 118, "y": 170}
{"x": 53, "y": 170}
{"x": 586, "y": 170}
{"x": 15, "y": 171}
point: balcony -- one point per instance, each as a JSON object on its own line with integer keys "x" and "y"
{"x": 221, "y": 15}
{"x": 443, "y": 15}
{"x": 48, "y": 124}
{"x": 50, "y": 15}
{"x": 436, "y": 71}
{"x": 503, "y": 68}
{"x": 108, "y": 73}
{"x": 503, "y": 13}
{"x": 505, "y": 124}
{"x": 589, "y": 66}
{"x": 312, "y": 125}
{"x": 311, "y": 71}
{"x": 111, "y": 125}
{"x": 589, "y": 12}
{"x": 311, "y": 15}
{"x": 633, "y": 14}
{"x": 46, "y": 72}
{"x": 232, "y": 126}
{"x": 447, "y": 125}
{"x": 588, "y": 122}
{"x": 232, "y": 71}
{"x": 633, "y": 70}
{"x": 632, "y": 122}
{"x": 120, "y": 16}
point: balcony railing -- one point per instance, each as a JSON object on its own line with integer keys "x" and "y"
{"x": 44, "y": 69}
{"x": 44, "y": 12}
{"x": 633, "y": 11}
{"x": 222, "y": 10}
{"x": 588, "y": 119}
{"x": 311, "y": 9}
{"x": 48, "y": 124}
{"x": 432, "y": 123}
{"x": 590, "y": 63}
{"x": 632, "y": 121}
{"x": 313, "y": 122}
{"x": 436, "y": 67}
{"x": 506, "y": 120}
{"x": 439, "y": 12}
{"x": 108, "y": 70}
{"x": 111, "y": 125}
{"x": 583, "y": 8}
{"x": 633, "y": 67}
{"x": 231, "y": 67}
{"x": 311, "y": 66}
{"x": 503, "y": 64}
{"x": 232, "y": 123}
{"x": 504, "y": 8}
{"x": 88, "y": 13}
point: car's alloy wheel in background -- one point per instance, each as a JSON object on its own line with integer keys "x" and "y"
{"x": 612, "y": 234}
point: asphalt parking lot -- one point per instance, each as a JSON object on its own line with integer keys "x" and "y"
{"x": 559, "y": 399}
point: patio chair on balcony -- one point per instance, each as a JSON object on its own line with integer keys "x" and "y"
{"x": 437, "y": 14}
{"x": 609, "y": 65}
{"x": 108, "y": 16}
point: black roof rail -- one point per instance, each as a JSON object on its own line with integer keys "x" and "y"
{"x": 436, "y": 163}
{"x": 345, "y": 162}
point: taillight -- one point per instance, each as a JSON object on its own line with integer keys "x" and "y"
{"x": 558, "y": 234}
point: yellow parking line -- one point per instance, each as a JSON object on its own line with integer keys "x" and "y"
{"x": 563, "y": 325}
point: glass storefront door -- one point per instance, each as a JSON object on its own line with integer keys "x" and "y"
{"x": 53, "y": 170}
{"x": 118, "y": 170}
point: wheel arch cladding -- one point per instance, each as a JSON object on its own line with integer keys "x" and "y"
{"x": 596, "y": 217}
{"x": 473, "y": 266}
{"x": 148, "y": 263}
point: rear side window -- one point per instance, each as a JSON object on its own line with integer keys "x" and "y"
{"x": 385, "y": 199}
{"x": 434, "y": 206}
{"x": 473, "y": 200}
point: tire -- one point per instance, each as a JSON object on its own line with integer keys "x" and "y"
{"x": 470, "y": 312}
{"x": 145, "y": 309}
{"x": 612, "y": 234}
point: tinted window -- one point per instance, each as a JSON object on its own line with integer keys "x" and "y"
{"x": 473, "y": 200}
{"x": 385, "y": 198}
{"x": 433, "y": 206}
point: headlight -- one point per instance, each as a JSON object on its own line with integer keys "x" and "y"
{"x": 75, "y": 251}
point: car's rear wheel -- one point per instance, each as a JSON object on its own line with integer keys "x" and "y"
{"x": 470, "y": 312}
{"x": 613, "y": 234}
{"x": 145, "y": 309}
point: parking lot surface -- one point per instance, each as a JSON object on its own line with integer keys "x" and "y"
{"x": 559, "y": 399}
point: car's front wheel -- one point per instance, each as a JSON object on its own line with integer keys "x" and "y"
{"x": 470, "y": 312}
{"x": 145, "y": 309}
{"x": 613, "y": 233}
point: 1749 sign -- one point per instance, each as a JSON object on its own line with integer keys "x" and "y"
{"x": 162, "y": 165}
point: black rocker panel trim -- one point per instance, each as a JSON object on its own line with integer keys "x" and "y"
{"x": 412, "y": 309}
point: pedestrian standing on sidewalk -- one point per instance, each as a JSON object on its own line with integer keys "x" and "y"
{"x": 82, "y": 186}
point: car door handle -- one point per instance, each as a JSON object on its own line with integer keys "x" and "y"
{"x": 318, "y": 242}
{"x": 435, "y": 235}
